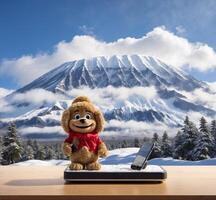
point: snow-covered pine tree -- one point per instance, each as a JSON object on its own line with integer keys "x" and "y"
{"x": 178, "y": 152}
{"x": 136, "y": 142}
{"x": 146, "y": 139}
{"x": 166, "y": 146}
{"x": 156, "y": 153}
{"x": 35, "y": 147}
{"x": 204, "y": 148}
{"x": 188, "y": 137}
{"x": 39, "y": 151}
{"x": 124, "y": 144}
{"x": 213, "y": 133}
{"x": 59, "y": 152}
{"x": 29, "y": 152}
{"x": 1, "y": 146}
{"x": 50, "y": 153}
{"x": 12, "y": 149}
{"x": 30, "y": 143}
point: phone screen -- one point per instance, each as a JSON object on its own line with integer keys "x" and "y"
{"x": 142, "y": 156}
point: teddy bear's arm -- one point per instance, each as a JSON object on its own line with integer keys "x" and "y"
{"x": 102, "y": 150}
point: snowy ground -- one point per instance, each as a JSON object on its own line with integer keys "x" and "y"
{"x": 124, "y": 156}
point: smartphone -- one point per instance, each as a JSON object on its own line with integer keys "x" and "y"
{"x": 73, "y": 148}
{"x": 142, "y": 156}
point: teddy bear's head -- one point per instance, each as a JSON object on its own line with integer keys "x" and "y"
{"x": 82, "y": 117}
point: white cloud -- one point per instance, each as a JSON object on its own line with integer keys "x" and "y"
{"x": 4, "y": 92}
{"x": 124, "y": 129}
{"x": 5, "y": 106}
{"x": 200, "y": 96}
{"x": 136, "y": 129}
{"x": 196, "y": 116}
{"x": 36, "y": 96}
{"x": 212, "y": 86}
{"x": 45, "y": 130}
{"x": 87, "y": 30}
{"x": 111, "y": 97}
{"x": 180, "y": 30}
{"x": 107, "y": 98}
{"x": 160, "y": 42}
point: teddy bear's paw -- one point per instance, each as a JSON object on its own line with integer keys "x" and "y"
{"x": 93, "y": 166}
{"x": 76, "y": 166}
{"x": 84, "y": 150}
{"x": 66, "y": 149}
{"x": 102, "y": 153}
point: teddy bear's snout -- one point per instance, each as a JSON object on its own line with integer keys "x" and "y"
{"x": 82, "y": 121}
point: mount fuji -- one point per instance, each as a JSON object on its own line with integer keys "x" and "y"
{"x": 135, "y": 93}
{"x": 117, "y": 71}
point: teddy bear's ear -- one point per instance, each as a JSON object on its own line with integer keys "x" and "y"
{"x": 81, "y": 99}
{"x": 99, "y": 118}
{"x": 65, "y": 120}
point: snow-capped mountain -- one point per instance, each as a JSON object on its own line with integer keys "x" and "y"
{"x": 138, "y": 89}
{"x": 117, "y": 71}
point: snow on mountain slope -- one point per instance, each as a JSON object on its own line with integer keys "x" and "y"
{"x": 119, "y": 158}
{"x": 118, "y": 71}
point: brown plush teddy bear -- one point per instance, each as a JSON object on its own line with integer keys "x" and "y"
{"x": 82, "y": 121}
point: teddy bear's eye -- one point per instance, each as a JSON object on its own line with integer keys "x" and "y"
{"x": 88, "y": 116}
{"x": 77, "y": 116}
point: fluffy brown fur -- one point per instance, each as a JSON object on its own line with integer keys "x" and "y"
{"x": 83, "y": 158}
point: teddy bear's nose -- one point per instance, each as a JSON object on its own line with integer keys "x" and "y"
{"x": 82, "y": 121}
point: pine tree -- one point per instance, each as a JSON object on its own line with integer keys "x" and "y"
{"x": 213, "y": 133}
{"x": 30, "y": 143}
{"x": 203, "y": 125}
{"x": 35, "y": 147}
{"x": 124, "y": 144}
{"x": 1, "y": 146}
{"x": 41, "y": 153}
{"x": 204, "y": 148}
{"x": 166, "y": 146}
{"x": 156, "y": 153}
{"x": 178, "y": 147}
{"x": 12, "y": 149}
{"x": 188, "y": 136}
{"x": 112, "y": 146}
{"x": 146, "y": 140}
{"x": 29, "y": 153}
{"x": 50, "y": 153}
{"x": 59, "y": 152}
{"x": 136, "y": 142}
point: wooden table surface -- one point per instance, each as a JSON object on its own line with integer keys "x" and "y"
{"x": 33, "y": 182}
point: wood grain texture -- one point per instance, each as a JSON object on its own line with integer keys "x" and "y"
{"x": 183, "y": 182}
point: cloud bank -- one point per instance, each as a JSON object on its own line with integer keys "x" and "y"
{"x": 4, "y": 92}
{"x": 201, "y": 97}
{"x": 159, "y": 42}
{"x": 108, "y": 97}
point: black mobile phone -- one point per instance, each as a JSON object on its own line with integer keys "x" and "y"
{"x": 142, "y": 156}
{"x": 73, "y": 148}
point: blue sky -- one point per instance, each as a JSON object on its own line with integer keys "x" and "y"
{"x": 30, "y": 27}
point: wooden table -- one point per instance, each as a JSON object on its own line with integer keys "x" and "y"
{"x": 188, "y": 182}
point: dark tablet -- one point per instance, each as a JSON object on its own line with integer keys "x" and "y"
{"x": 117, "y": 173}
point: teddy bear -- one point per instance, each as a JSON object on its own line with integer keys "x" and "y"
{"x": 82, "y": 121}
